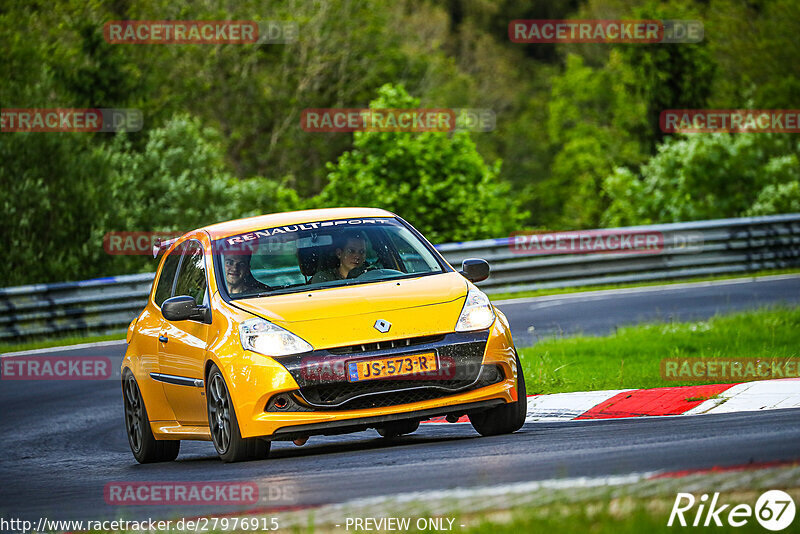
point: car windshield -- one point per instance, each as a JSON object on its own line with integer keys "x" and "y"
{"x": 323, "y": 254}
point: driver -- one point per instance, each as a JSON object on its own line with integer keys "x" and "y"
{"x": 238, "y": 276}
{"x": 351, "y": 250}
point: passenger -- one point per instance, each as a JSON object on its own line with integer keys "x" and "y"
{"x": 239, "y": 278}
{"x": 351, "y": 251}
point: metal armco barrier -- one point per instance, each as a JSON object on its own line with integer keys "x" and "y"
{"x": 699, "y": 248}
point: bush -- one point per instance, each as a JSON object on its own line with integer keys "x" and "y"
{"x": 179, "y": 182}
{"x": 437, "y": 181}
{"x": 53, "y": 194}
{"x": 62, "y": 195}
{"x": 708, "y": 176}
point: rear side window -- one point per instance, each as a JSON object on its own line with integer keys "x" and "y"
{"x": 164, "y": 287}
{"x": 192, "y": 274}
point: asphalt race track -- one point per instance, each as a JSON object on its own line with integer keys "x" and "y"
{"x": 63, "y": 441}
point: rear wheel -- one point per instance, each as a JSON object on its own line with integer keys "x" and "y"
{"x": 224, "y": 426}
{"x": 503, "y": 419}
{"x": 398, "y": 428}
{"x": 145, "y": 447}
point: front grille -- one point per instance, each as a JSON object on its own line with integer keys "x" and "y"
{"x": 459, "y": 355}
{"x": 382, "y": 393}
{"x": 384, "y": 345}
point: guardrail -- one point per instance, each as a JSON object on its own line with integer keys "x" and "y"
{"x": 729, "y": 246}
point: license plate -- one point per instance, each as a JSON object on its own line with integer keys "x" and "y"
{"x": 391, "y": 367}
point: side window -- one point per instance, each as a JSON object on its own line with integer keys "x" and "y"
{"x": 164, "y": 287}
{"x": 192, "y": 276}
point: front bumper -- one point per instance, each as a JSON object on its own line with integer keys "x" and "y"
{"x": 461, "y": 391}
{"x": 296, "y": 424}
{"x": 357, "y": 424}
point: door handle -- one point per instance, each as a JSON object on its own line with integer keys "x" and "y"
{"x": 162, "y": 338}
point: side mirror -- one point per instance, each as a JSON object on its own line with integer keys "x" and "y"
{"x": 475, "y": 269}
{"x": 183, "y": 308}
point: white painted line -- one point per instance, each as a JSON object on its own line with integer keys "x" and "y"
{"x": 628, "y": 290}
{"x": 113, "y": 343}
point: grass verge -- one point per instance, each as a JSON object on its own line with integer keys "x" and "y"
{"x": 631, "y": 357}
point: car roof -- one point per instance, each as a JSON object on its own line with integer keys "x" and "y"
{"x": 251, "y": 224}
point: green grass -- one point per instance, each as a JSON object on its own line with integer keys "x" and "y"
{"x": 582, "y": 289}
{"x": 57, "y": 342}
{"x": 631, "y": 357}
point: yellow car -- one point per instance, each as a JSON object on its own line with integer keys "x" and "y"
{"x": 317, "y": 322}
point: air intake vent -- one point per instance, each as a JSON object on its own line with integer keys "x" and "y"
{"x": 388, "y": 344}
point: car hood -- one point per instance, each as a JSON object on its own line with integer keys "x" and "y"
{"x": 346, "y": 315}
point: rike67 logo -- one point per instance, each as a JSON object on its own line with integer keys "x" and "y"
{"x": 774, "y": 510}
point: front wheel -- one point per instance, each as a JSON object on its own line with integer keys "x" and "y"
{"x": 398, "y": 428}
{"x": 145, "y": 447}
{"x": 224, "y": 426}
{"x": 503, "y": 419}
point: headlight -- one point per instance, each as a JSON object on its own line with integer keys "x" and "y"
{"x": 477, "y": 313}
{"x": 268, "y": 339}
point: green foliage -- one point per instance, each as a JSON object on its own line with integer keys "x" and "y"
{"x": 435, "y": 180}
{"x": 668, "y": 76}
{"x": 592, "y": 116}
{"x": 755, "y": 46}
{"x": 222, "y": 135}
{"x": 708, "y": 176}
{"x": 50, "y": 202}
{"x": 782, "y": 195}
{"x": 179, "y": 181}
{"x": 60, "y": 206}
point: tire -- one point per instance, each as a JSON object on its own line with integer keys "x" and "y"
{"x": 228, "y": 440}
{"x": 144, "y": 446}
{"x": 397, "y": 428}
{"x": 503, "y": 419}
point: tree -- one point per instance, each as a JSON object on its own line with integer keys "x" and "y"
{"x": 707, "y": 176}
{"x": 593, "y": 119}
{"x": 436, "y": 180}
{"x": 53, "y": 194}
{"x": 179, "y": 182}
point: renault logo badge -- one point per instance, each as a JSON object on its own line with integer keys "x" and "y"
{"x": 382, "y": 326}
